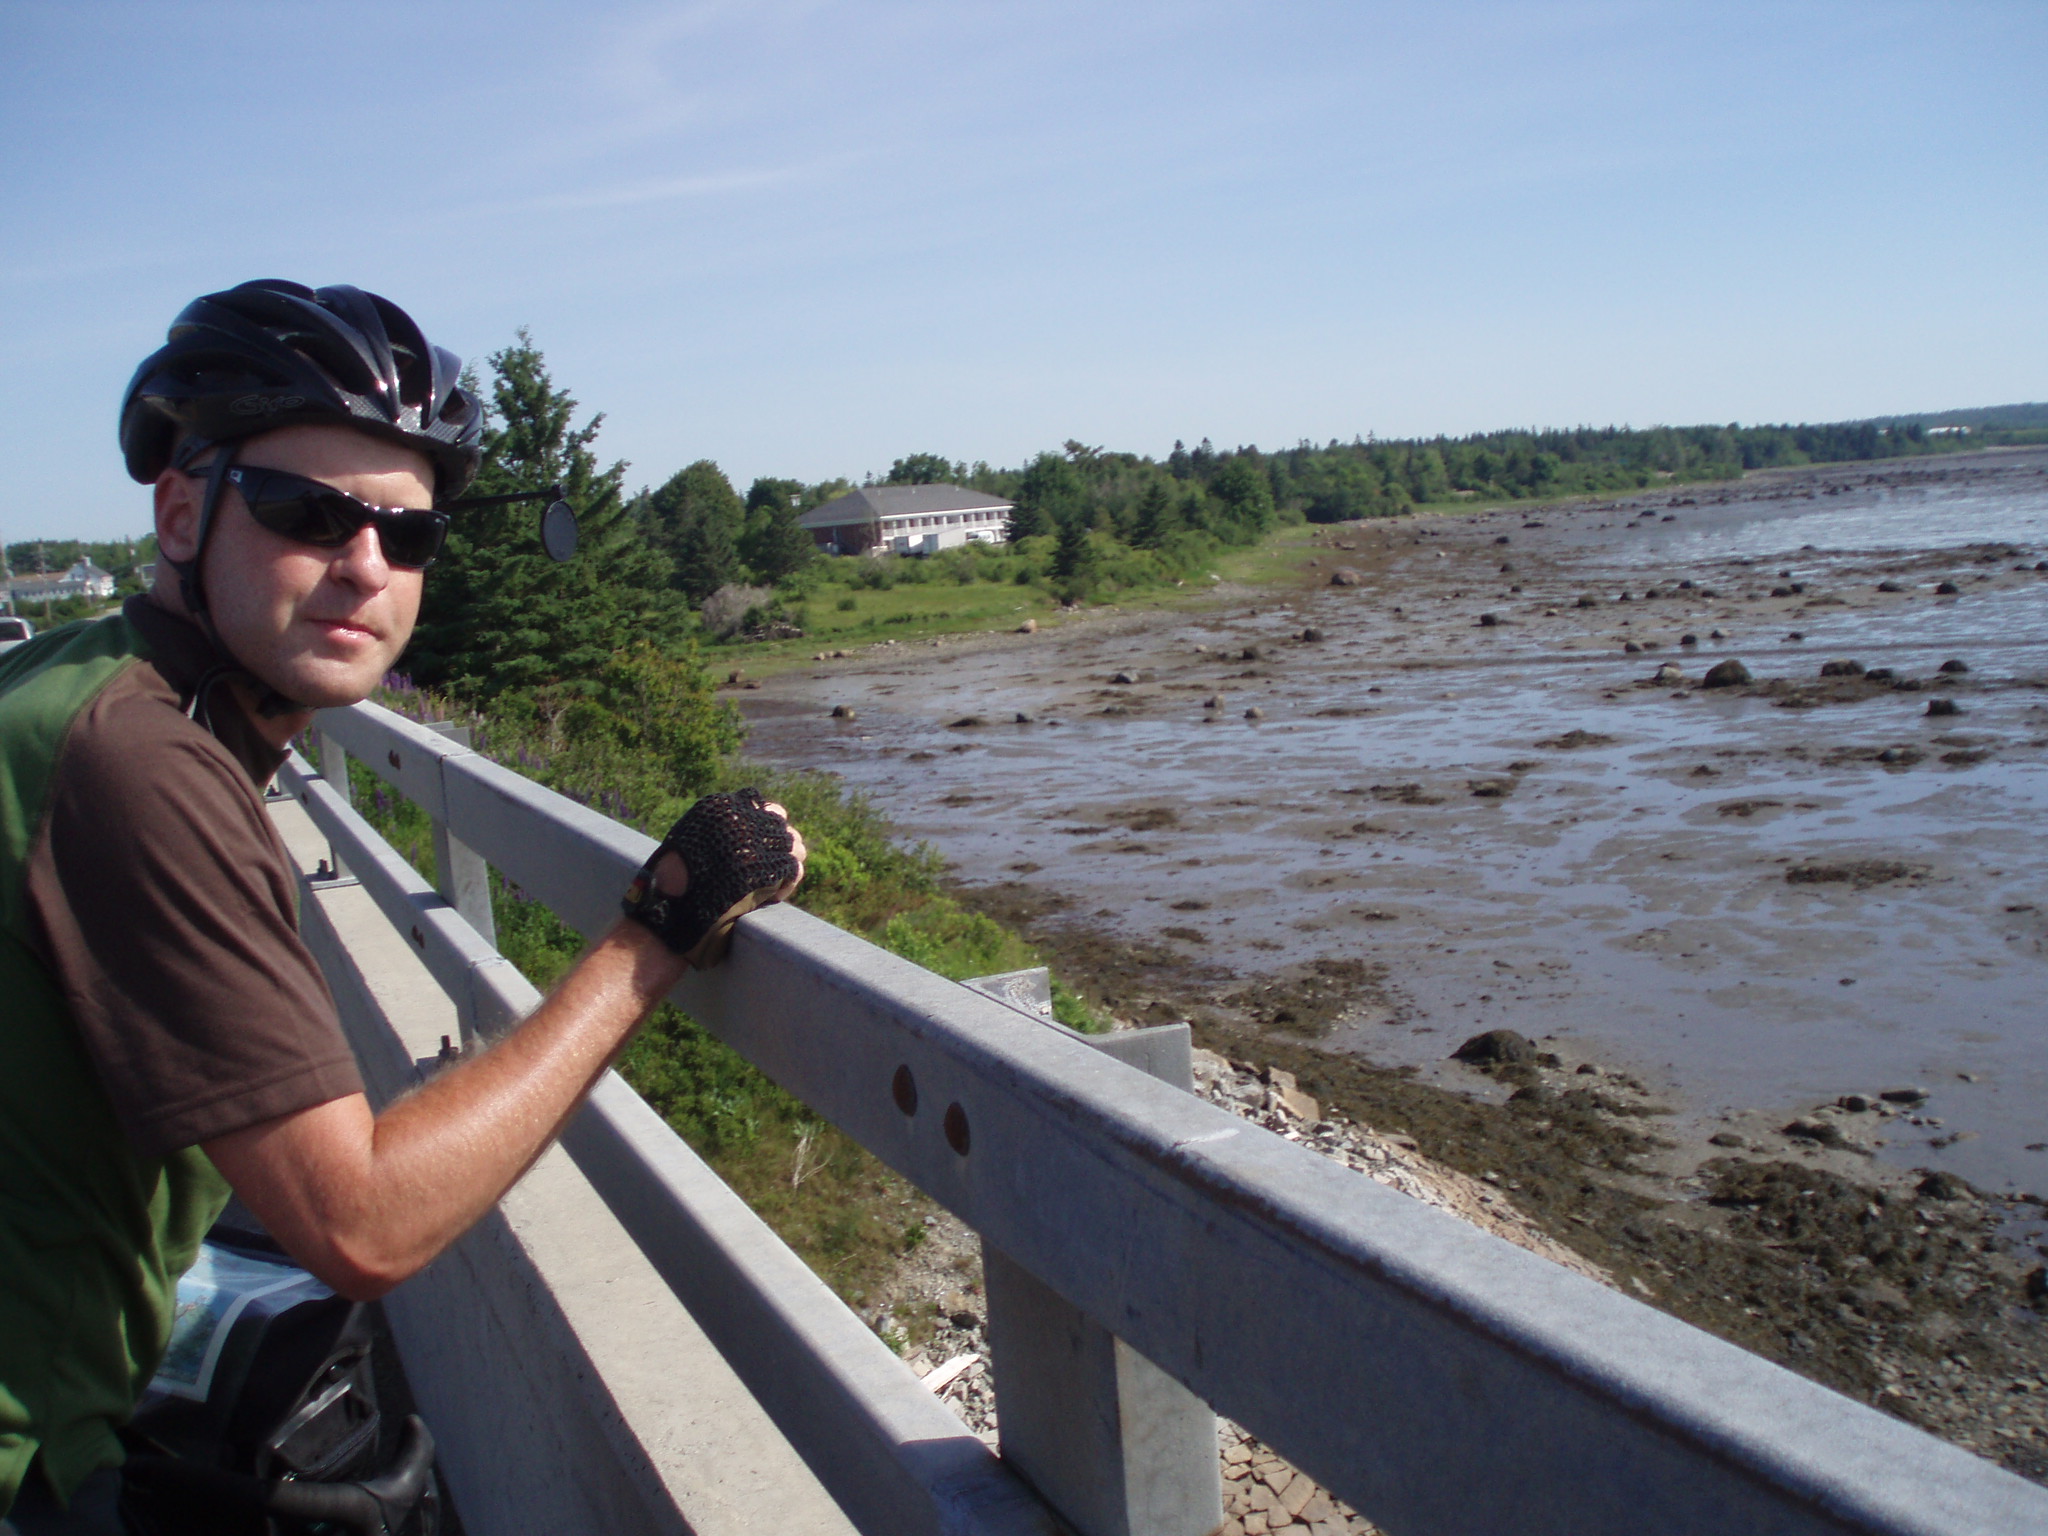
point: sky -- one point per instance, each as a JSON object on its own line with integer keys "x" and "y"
{"x": 805, "y": 238}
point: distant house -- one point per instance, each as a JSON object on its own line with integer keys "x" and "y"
{"x": 908, "y": 520}
{"x": 82, "y": 580}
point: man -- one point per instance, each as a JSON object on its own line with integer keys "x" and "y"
{"x": 166, "y": 1038}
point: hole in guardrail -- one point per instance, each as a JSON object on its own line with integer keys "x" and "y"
{"x": 956, "y": 1129}
{"x": 904, "y": 1087}
{"x": 392, "y": 758}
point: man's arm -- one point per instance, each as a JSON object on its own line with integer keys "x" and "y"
{"x": 364, "y": 1201}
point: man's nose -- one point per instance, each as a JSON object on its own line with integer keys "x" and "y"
{"x": 361, "y": 560}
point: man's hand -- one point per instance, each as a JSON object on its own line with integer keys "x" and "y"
{"x": 366, "y": 1201}
{"x": 738, "y": 852}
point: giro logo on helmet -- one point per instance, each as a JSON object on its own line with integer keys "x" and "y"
{"x": 265, "y": 405}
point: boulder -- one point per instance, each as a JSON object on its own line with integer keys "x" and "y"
{"x": 1841, "y": 669}
{"x": 1286, "y": 1095}
{"x": 1822, "y": 1132}
{"x": 1953, "y": 666}
{"x": 1911, "y": 1095}
{"x": 1488, "y": 620}
{"x": 1939, "y": 1185}
{"x": 1688, "y": 639}
{"x": 1943, "y": 707}
{"x": 842, "y": 712}
{"x": 1889, "y": 586}
{"x": 1125, "y": 677}
{"x": 1947, "y": 589}
{"x": 1725, "y": 674}
{"x": 1497, "y": 1047}
{"x": 1345, "y": 576}
{"x": 1255, "y": 713}
{"x": 1028, "y": 627}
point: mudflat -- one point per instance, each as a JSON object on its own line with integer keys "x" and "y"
{"x": 1778, "y": 932}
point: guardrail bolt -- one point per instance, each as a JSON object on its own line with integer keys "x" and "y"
{"x": 905, "y": 1090}
{"x": 956, "y": 1129}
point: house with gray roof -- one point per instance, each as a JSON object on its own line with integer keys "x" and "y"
{"x": 83, "y": 579}
{"x": 908, "y": 520}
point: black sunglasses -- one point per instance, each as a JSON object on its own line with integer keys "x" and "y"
{"x": 316, "y": 514}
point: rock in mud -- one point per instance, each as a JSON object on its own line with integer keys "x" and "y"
{"x": 1843, "y": 668}
{"x": 1632, "y": 648}
{"x": 1947, "y": 589}
{"x": 1725, "y": 674}
{"x": 1214, "y": 701}
{"x": 1688, "y": 639}
{"x": 1909, "y": 1095}
{"x": 1488, "y": 620}
{"x": 1255, "y": 713}
{"x": 1586, "y": 601}
{"x": 1311, "y": 635}
{"x": 1859, "y": 874}
{"x": 842, "y": 712}
{"x": 1941, "y": 1185}
{"x": 1497, "y": 1047}
{"x": 1823, "y": 1132}
{"x": 1727, "y": 1139}
{"x": 1889, "y": 586}
{"x": 965, "y": 722}
{"x": 1954, "y": 665}
{"x": 1345, "y": 576}
{"x": 1028, "y": 627}
{"x": 1573, "y": 739}
{"x": 1943, "y": 707}
{"x": 1125, "y": 677}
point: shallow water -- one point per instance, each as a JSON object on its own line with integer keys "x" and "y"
{"x": 1627, "y": 897}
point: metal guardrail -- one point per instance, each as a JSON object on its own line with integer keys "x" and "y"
{"x": 1439, "y": 1379}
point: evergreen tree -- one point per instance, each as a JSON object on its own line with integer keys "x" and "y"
{"x": 1245, "y": 492}
{"x": 1155, "y": 515}
{"x": 767, "y": 492}
{"x": 1050, "y": 494}
{"x": 498, "y": 614}
{"x": 922, "y": 469}
{"x": 1072, "y": 557}
{"x": 697, "y": 517}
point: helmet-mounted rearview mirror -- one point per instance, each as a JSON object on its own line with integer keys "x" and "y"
{"x": 558, "y": 530}
{"x": 557, "y": 519}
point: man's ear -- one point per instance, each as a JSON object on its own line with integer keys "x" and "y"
{"x": 178, "y": 496}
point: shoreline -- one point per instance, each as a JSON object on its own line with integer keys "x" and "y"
{"x": 1880, "y": 1306}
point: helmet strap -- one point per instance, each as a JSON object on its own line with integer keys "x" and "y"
{"x": 192, "y": 589}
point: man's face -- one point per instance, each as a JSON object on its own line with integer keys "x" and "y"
{"x": 321, "y": 626}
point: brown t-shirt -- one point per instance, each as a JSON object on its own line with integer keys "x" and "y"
{"x": 166, "y": 908}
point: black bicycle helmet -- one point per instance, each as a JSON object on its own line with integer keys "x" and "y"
{"x": 271, "y": 353}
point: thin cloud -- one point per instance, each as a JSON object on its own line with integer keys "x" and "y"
{"x": 662, "y": 189}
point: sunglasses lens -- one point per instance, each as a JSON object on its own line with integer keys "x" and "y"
{"x": 327, "y": 519}
{"x": 321, "y": 518}
{"x": 412, "y": 538}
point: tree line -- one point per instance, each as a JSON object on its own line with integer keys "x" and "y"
{"x": 500, "y": 619}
